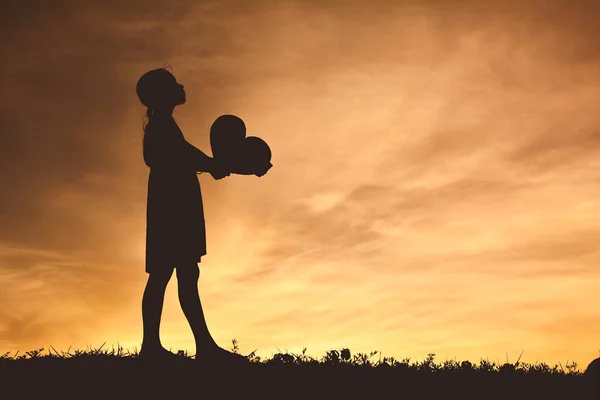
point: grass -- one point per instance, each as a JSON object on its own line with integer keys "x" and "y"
{"x": 339, "y": 374}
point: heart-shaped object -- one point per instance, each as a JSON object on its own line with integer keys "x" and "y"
{"x": 245, "y": 155}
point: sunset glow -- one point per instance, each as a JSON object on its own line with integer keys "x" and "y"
{"x": 435, "y": 189}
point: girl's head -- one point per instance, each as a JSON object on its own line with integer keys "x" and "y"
{"x": 159, "y": 91}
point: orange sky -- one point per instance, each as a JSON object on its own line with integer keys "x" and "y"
{"x": 435, "y": 184}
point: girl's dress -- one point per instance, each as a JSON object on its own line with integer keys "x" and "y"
{"x": 175, "y": 227}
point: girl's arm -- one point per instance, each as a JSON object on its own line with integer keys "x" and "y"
{"x": 164, "y": 151}
{"x": 196, "y": 158}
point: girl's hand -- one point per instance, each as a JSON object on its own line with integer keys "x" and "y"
{"x": 219, "y": 169}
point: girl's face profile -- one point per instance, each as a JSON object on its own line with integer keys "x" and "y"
{"x": 176, "y": 92}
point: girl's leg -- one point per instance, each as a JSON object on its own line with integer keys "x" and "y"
{"x": 187, "y": 285}
{"x": 152, "y": 305}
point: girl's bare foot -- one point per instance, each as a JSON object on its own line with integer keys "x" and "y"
{"x": 157, "y": 354}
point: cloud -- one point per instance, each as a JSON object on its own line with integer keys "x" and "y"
{"x": 426, "y": 156}
{"x": 49, "y": 297}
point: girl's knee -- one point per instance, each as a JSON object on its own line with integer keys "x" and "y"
{"x": 160, "y": 278}
{"x": 188, "y": 272}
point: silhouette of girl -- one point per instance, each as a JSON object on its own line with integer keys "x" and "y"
{"x": 175, "y": 230}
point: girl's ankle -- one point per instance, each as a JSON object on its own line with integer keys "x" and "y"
{"x": 206, "y": 347}
{"x": 152, "y": 347}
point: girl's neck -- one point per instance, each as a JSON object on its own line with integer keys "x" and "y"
{"x": 165, "y": 113}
